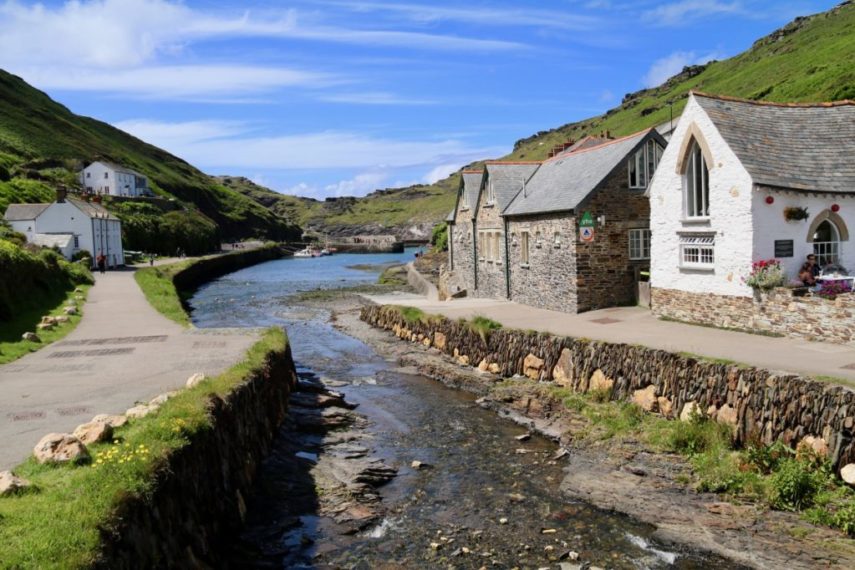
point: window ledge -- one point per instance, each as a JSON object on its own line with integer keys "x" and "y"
{"x": 692, "y": 269}
{"x": 525, "y": 265}
{"x": 695, "y": 221}
{"x": 639, "y": 259}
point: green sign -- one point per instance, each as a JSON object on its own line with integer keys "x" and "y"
{"x": 587, "y": 220}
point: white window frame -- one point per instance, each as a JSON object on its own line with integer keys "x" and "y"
{"x": 697, "y": 169}
{"x": 491, "y": 193}
{"x": 639, "y": 244}
{"x": 641, "y": 164}
{"x": 524, "y": 239}
{"x": 556, "y": 240}
{"x": 697, "y": 251}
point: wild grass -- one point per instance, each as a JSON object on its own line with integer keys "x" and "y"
{"x": 157, "y": 286}
{"x": 58, "y": 525}
{"x": 483, "y": 326}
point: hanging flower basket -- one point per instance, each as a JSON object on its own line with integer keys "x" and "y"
{"x": 795, "y": 214}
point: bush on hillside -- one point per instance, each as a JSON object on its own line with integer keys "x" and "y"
{"x": 439, "y": 237}
{"x": 146, "y": 227}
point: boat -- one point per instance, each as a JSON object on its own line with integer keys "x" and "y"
{"x": 306, "y": 252}
{"x": 325, "y": 251}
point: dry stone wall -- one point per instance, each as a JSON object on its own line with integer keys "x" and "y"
{"x": 758, "y": 404}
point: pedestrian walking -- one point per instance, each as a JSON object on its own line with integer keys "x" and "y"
{"x": 151, "y": 259}
{"x": 101, "y": 260}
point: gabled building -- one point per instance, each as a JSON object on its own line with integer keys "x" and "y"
{"x": 72, "y": 226}
{"x": 578, "y": 234}
{"x": 106, "y": 178}
{"x": 744, "y": 181}
{"x": 461, "y": 244}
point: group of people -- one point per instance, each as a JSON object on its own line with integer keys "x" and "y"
{"x": 809, "y": 272}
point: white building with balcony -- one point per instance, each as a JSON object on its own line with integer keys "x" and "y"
{"x": 106, "y": 178}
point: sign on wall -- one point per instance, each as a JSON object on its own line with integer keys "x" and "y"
{"x": 586, "y": 227}
{"x": 784, "y": 248}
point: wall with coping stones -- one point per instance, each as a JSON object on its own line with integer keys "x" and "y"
{"x": 780, "y": 311}
{"x": 198, "y": 498}
{"x": 757, "y": 403}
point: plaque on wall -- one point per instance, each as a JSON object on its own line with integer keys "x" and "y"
{"x": 783, "y": 248}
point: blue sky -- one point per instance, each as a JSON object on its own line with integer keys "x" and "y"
{"x": 342, "y": 97}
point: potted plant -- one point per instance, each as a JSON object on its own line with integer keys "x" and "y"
{"x": 765, "y": 275}
{"x": 795, "y": 213}
{"x": 831, "y": 289}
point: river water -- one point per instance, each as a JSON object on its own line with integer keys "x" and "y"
{"x": 486, "y": 498}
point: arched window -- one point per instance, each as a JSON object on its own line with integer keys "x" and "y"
{"x": 826, "y": 243}
{"x": 696, "y": 183}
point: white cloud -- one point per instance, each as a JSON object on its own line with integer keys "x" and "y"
{"x": 686, "y": 11}
{"x": 374, "y": 98}
{"x": 437, "y": 173}
{"x": 359, "y": 185}
{"x": 662, "y": 69}
{"x": 223, "y": 145}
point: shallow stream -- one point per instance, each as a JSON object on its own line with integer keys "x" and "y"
{"x": 481, "y": 498}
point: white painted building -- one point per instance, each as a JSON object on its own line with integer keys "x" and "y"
{"x": 719, "y": 200}
{"x": 114, "y": 180}
{"x": 72, "y": 225}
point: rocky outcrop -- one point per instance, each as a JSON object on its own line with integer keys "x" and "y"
{"x": 197, "y": 500}
{"x": 11, "y": 484}
{"x": 758, "y": 404}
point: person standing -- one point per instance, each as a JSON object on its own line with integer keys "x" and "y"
{"x": 102, "y": 262}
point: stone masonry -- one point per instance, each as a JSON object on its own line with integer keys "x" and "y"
{"x": 490, "y": 277}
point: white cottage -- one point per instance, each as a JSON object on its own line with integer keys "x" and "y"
{"x": 71, "y": 225}
{"x": 729, "y": 190}
{"x": 113, "y": 180}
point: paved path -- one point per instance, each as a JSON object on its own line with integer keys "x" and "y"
{"x": 634, "y": 325}
{"x": 121, "y": 352}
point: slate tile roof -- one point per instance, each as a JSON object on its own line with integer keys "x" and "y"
{"x": 91, "y": 209}
{"x": 508, "y": 178}
{"x": 563, "y": 181}
{"x": 24, "y": 212}
{"x": 802, "y": 147}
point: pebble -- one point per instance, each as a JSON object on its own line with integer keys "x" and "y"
{"x": 503, "y": 520}
{"x": 548, "y": 531}
{"x": 523, "y": 437}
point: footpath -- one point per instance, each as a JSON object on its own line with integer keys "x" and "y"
{"x": 122, "y": 352}
{"x": 635, "y": 325}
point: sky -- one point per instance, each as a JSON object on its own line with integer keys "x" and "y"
{"x": 339, "y": 98}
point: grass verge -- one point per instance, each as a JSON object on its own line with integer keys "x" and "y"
{"x": 13, "y": 347}
{"x": 159, "y": 289}
{"x": 59, "y": 523}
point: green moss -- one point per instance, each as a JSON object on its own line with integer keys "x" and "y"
{"x": 60, "y": 525}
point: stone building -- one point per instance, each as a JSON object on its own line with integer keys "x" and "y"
{"x": 578, "y": 230}
{"x": 744, "y": 181}
{"x": 461, "y": 245}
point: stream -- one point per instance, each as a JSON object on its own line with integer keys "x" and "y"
{"x": 472, "y": 490}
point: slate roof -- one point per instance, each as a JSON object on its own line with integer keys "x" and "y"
{"x": 471, "y": 187}
{"x": 562, "y": 182}
{"x": 583, "y": 143}
{"x": 450, "y": 216}
{"x": 91, "y": 209}
{"x": 24, "y": 212}
{"x": 508, "y": 178}
{"x": 802, "y": 147}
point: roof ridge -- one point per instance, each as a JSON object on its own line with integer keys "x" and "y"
{"x": 472, "y": 172}
{"x": 599, "y": 146}
{"x": 826, "y": 104}
{"x": 512, "y": 162}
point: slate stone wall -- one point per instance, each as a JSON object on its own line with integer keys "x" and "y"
{"x": 788, "y": 312}
{"x": 491, "y": 273}
{"x": 758, "y": 404}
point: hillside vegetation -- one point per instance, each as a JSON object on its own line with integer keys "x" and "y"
{"x": 43, "y": 144}
{"x": 808, "y": 60}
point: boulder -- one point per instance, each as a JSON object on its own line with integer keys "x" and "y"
{"x": 161, "y": 399}
{"x": 848, "y": 474}
{"x": 816, "y": 445}
{"x": 94, "y": 432}
{"x": 44, "y": 327}
{"x": 726, "y": 415}
{"x": 494, "y": 368}
{"x": 48, "y": 320}
{"x": 645, "y": 398}
{"x": 140, "y": 411}
{"x": 439, "y": 340}
{"x": 426, "y": 342}
{"x": 114, "y": 421}
{"x": 600, "y": 382}
{"x": 62, "y": 319}
{"x": 195, "y": 380}
{"x": 532, "y": 365}
{"x": 463, "y": 359}
{"x": 689, "y": 409}
{"x": 31, "y": 336}
{"x": 483, "y": 365}
{"x": 70, "y": 310}
{"x": 60, "y": 448}
{"x": 11, "y": 484}
{"x": 562, "y": 374}
{"x": 665, "y": 406}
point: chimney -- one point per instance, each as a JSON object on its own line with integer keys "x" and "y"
{"x": 61, "y": 193}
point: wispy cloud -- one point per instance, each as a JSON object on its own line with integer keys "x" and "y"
{"x": 672, "y": 64}
{"x": 374, "y": 98}
{"x": 687, "y": 11}
{"x": 486, "y": 15}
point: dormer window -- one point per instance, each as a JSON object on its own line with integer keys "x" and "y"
{"x": 643, "y": 164}
{"x": 696, "y": 183}
{"x": 491, "y": 193}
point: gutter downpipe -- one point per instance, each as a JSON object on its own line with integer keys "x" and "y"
{"x": 507, "y": 262}
{"x": 475, "y": 250}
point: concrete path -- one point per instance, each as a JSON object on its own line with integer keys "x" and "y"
{"x": 634, "y": 325}
{"x": 122, "y": 352}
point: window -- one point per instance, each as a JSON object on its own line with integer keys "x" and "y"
{"x": 491, "y": 193}
{"x": 696, "y": 182}
{"x": 556, "y": 239}
{"x": 106, "y": 175}
{"x": 524, "y": 248}
{"x": 697, "y": 251}
{"x": 826, "y": 243}
{"x": 465, "y": 201}
{"x": 76, "y": 242}
{"x": 88, "y": 175}
{"x": 538, "y": 240}
{"x": 643, "y": 163}
{"x": 639, "y": 244}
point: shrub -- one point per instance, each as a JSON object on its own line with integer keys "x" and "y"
{"x": 698, "y": 435}
{"x": 795, "y": 484}
{"x": 831, "y": 289}
{"x": 81, "y": 255}
{"x": 439, "y": 237}
{"x": 765, "y": 274}
{"x": 766, "y": 458}
{"x": 412, "y": 314}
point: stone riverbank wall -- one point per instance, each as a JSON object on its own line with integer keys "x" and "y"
{"x": 197, "y": 500}
{"x": 758, "y": 404}
{"x": 209, "y": 268}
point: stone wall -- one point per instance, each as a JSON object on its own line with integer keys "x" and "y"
{"x": 491, "y": 278}
{"x": 605, "y": 275}
{"x": 548, "y": 281}
{"x": 758, "y": 404}
{"x": 206, "y": 269}
{"x": 462, "y": 271}
{"x": 789, "y": 312}
{"x": 197, "y": 500}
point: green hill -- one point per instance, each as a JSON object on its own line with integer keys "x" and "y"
{"x": 808, "y": 60}
{"x": 42, "y": 144}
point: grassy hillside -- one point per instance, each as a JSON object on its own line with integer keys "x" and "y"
{"x": 810, "y": 59}
{"x": 42, "y": 143}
